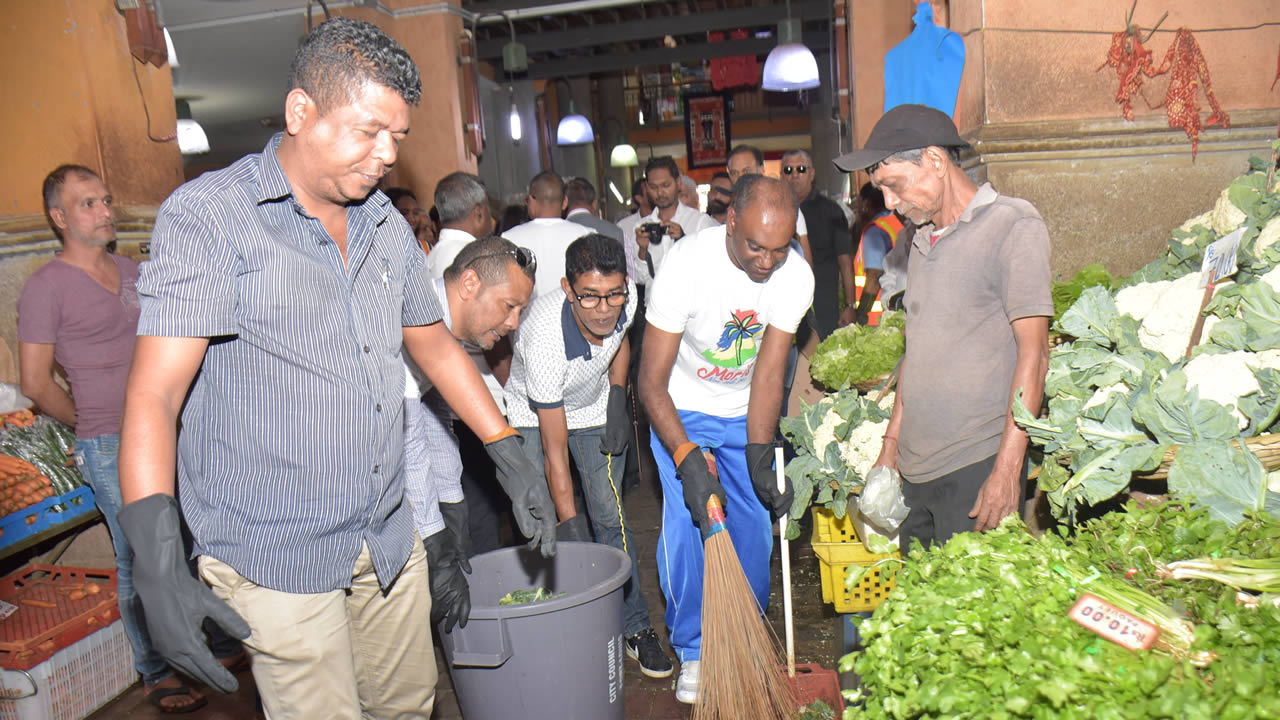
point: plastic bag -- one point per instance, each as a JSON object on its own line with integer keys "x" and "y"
{"x": 881, "y": 501}
{"x": 11, "y": 398}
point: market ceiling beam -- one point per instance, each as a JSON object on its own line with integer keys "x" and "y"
{"x": 594, "y": 64}
{"x": 657, "y": 27}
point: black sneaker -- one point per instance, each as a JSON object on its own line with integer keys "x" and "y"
{"x": 644, "y": 648}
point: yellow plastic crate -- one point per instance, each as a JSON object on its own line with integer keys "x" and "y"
{"x": 837, "y": 546}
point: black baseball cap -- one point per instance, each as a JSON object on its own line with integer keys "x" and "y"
{"x": 905, "y": 127}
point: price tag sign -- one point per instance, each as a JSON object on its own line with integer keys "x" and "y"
{"x": 1113, "y": 623}
{"x": 1220, "y": 258}
{"x": 7, "y": 609}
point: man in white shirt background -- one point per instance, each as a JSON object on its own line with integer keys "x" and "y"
{"x": 464, "y": 216}
{"x": 581, "y": 208}
{"x": 547, "y": 234}
{"x": 669, "y": 221}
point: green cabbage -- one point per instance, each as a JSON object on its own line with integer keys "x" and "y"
{"x": 857, "y": 353}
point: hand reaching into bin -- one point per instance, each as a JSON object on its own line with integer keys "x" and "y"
{"x": 176, "y": 603}
{"x": 527, "y": 488}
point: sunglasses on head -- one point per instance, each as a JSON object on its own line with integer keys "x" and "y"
{"x": 523, "y": 255}
{"x": 788, "y": 169}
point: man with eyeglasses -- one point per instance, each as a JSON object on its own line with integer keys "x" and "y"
{"x": 830, "y": 245}
{"x": 482, "y": 294}
{"x": 567, "y": 394}
{"x": 722, "y": 317}
{"x": 547, "y": 233}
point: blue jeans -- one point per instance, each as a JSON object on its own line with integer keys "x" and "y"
{"x": 680, "y": 549}
{"x": 98, "y": 461}
{"x": 604, "y": 509}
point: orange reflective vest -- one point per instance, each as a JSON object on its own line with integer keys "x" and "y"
{"x": 891, "y": 225}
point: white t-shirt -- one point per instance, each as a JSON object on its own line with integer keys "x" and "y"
{"x": 721, "y": 315}
{"x": 689, "y": 220}
{"x": 801, "y": 227}
{"x": 548, "y": 238}
{"x": 446, "y": 250}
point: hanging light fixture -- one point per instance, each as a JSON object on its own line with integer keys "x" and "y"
{"x": 574, "y": 129}
{"x": 513, "y": 120}
{"x": 191, "y": 137}
{"x": 790, "y": 65}
{"x": 623, "y": 154}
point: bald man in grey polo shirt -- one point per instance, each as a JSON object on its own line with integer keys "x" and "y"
{"x": 978, "y": 309}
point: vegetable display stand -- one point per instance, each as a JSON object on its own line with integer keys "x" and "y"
{"x": 74, "y": 682}
{"x": 52, "y": 606}
{"x": 837, "y": 546}
{"x": 48, "y": 518}
{"x": 558, "y": 659}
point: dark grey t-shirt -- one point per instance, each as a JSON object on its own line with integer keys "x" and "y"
{"x": 987, "y": 269}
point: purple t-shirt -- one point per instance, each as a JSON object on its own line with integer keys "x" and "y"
{"x": 92, "y": 331}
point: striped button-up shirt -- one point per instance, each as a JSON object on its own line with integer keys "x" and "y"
{"x": 290, "y": 457}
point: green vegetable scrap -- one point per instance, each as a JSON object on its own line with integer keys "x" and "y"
{"x": 816, "y": 710}
{"x": 525, "y": 597}
{"x": 1066, "y": 293}
{"x": 858, "y": 353}
{"x": 979, "y": 627}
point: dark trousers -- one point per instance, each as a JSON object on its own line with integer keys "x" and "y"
{"x": 940, "y": 508}
{"x": 487, "y": 504}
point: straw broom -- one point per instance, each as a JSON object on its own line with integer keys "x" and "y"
{"x": 740, "y": 655}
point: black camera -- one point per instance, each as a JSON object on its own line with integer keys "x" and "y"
{"x": 655, "y": 232}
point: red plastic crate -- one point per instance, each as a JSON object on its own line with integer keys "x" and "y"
{"x": 814, "y": 682}
{"x": 48, "y": 618}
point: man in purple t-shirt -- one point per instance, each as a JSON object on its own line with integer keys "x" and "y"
{"x": 81, "y": 310}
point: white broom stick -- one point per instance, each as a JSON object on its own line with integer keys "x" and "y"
{"x": 786, "y": 569}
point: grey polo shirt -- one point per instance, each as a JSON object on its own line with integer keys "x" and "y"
{"x": 986, "y": 270}
{"x": 290, "y": 457}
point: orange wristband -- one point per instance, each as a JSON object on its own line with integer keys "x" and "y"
{"x": 508, "y": 432}
{"x": 683, "y": 451}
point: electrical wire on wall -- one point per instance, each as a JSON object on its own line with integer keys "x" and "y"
{"x": 133, "y": 65}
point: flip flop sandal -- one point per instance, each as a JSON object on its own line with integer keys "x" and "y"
{"x": 158, "y": 694}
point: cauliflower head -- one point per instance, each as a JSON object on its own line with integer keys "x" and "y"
{"x": 1167, "y": 310}
{"x": 1226, "y": 216}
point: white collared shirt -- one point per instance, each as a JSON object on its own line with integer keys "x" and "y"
{"x": 548, "y": 238}
{"x": 447, "y": 248}
{"x": 689, "y": 220}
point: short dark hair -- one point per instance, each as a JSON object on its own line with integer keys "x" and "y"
{"x": 755, "y": 153}
{"x": 762, "y": 188}
{"x": 870, "y": 200}
{"x": 489, "y": 258}
{"x": 342, "y": 54}
{"x": 594, "y": 251}
{"x": 580, "y": 191}
{"x": 457, "y": 194}
{"x": 52, "y": 189}
{"x": 637, "y": 187}
{"x": 663, "y": 162}
{"x": 396, "y": 194}
{"x": 722, "y": 175}
{"x": 547, "y": 187}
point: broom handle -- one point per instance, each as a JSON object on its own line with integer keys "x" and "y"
{"x": 786, "y": 569}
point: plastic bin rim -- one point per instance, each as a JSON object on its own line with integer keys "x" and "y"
{"x": 595, "y": 592}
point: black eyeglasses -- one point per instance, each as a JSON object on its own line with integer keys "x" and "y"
{"x": 615, "y": 299}
{"x": 523, "y": 255}
{"x": 788, "y": 169}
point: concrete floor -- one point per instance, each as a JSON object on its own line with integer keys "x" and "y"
{"x": 818, "y": 631}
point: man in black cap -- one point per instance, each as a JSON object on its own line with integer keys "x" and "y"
{"x": 978, "y": 309}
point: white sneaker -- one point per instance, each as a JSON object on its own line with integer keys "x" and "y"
{"x": 687, "y": 685}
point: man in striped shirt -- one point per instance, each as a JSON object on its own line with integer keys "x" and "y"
{"x": 273, "y": 311}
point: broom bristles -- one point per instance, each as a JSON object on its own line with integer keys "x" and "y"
{"x": 740, "y": 675}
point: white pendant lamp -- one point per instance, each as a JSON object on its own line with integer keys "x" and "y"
{"x": 790, "y": 65}
{"x": 623, "y": 155}
{"x": 574, "y": 129}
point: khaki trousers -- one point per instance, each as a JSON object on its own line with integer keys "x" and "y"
{"x": 357, "y": 653}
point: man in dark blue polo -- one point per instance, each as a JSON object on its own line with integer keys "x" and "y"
{"x": 274, "y": 307}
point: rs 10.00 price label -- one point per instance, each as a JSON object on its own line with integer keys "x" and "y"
{"x": 1113, "y": 623}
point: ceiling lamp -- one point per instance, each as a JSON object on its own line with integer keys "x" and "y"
{"x": 790, "y": 65}
{"x": 623, "y": 155}
{"x": 574, "y": 129}
{"x": 191, "y": 137}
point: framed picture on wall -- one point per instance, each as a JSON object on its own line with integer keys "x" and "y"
{"x": 706, "y": 130}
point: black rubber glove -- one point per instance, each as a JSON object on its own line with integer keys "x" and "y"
{"x": 699, "y": 485}
{"x": 765, "y": 479}
{"x": 457, "y": 525}
{"x": 450, "y": 594}
{"x": 175, "y": 603}
{"x": 574, "y": 530}
{"x": 527, "y": 488}
{"x": 617, "y": 425}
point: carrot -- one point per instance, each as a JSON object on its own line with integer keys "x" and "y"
{"x": 40, "y": 603}
{"x": 78, "y": 594}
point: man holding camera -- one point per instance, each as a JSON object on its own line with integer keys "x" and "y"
{"x": 668, "y": 223}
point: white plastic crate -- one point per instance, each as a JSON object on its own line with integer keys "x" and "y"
{"x": 76, "y": 681}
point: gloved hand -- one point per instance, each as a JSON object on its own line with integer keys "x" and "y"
{"x": 699, "y": 485}
{"x": 617, "y": 425}
{"x": 456, "y": 524}
{"x": 175, "y": 602}
{"x": 765, "y": 479}
{"x": 450, "y": 594}
{"x": 574, "y": 530}
{"x": 527, "y": 488}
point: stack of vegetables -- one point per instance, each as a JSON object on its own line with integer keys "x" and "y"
{"x": 1123, "y": 399}
{"x": 36, "y": 462}
{"x": 979, "y": 627}
{"x": 859, "y": 354}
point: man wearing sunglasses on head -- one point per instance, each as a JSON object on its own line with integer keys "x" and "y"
{"x": 568, "y": 394}
{"x": 830, "y": 245}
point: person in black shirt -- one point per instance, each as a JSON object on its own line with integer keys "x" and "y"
{"x": 830, "y": 242}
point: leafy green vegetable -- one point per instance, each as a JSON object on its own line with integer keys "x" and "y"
{"x": 1065, "y": 294}
{"x": 525, "y": 597}
{"x": 816, "y": 710}
{"x": 857, "y": 353}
